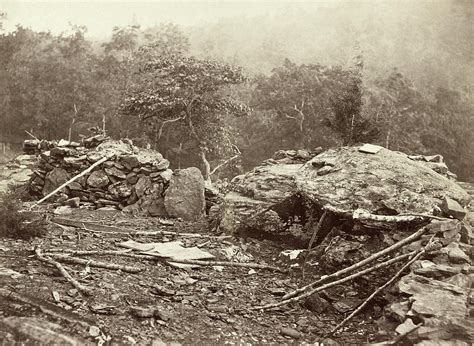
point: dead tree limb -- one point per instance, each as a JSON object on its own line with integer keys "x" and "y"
{"x": 313, "y": 238}
{"x": 31, "y": 135}
{"x": 92, "y": 263}
{"x": 163, "y": 123}
{"x": 70, "y": 181}
{"x": 360, "y": 264}
{"x": 72, "y": 123}
{"x": 416, "y": 255}
{"x": 227, "y": 264}
{"x": 335, "y": 283}
{"x": 61, "y": 252}
{"x": 98, "y": 228}
{"x": 378, "y": 290}
{"x": 63, "y": 272}
{"x": 224, "y": 163}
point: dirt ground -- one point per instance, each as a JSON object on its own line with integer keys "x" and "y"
{"x": 204, "y": 305}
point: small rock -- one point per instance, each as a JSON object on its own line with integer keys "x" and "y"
{"x": 115, "y": 172}
{"x": 405, "y": 326}
{"x": 166, "y": 175}
{"x": 73, "y": 202}
{"x": 290, "y": 332}
{"x": 141, "y": 312}
{"x": 325, "y": 170}
{"x": 467, "y": 235}
{"x": 162, "y": 314}
{"x": 98, "y": 179}
{"x": 456, "y": 255}
{"x": 63, "y": 210}
{"x": 94, "y": 331}
{"x": 452, "y": 208}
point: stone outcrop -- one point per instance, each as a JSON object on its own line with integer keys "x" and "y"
{"x": 342, "y": 180}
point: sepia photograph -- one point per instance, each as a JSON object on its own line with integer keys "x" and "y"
{"x": 253, "y": 172}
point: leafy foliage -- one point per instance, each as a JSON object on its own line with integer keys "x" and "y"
{"x": 187, "y": 96}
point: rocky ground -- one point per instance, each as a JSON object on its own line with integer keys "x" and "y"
{"x": 206, "y": 305}
{"x": 348, "y": 204}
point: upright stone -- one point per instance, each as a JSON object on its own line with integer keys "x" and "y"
{"x": 54, "y": 179}
{"x": 184, "y": 197}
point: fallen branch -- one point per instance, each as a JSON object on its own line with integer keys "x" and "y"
{"x": 224, "y": 163}
{"x": 360, "y": 264}
{"x": 335, "y": 283}
{"x": 46, "y": 307}
{"x": 227, "y": 264}
{"x": 378, "y": 290}
{"x": 313, "y": 238}
{"x": 92, "y": 263}
{"x": 70, "y": 181}
{"x": 54, "y": 252}
{"x": 63, "y": 272}
{"x": 98, "y": 228}
{"x": 363, "y": 215}
{"x": 32, "y": 135}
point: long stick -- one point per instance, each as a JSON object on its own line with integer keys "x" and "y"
{"x": 112, "y": 266}
{"x": 337, "y": 282}
{"x": 63, "y": 272}
{"x": 313, "y": 238}
{"x": 70, "y": 181}
{"x": 377, "y": 291}
{"x": 60, "y": 252}
{"x": 360, "y": 264}
{"x": 226, "y": 264}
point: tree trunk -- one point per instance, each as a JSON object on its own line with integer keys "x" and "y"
{"x": 206, "y": 166}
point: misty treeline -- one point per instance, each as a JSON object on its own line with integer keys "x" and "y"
{"x": 235, "y": 92}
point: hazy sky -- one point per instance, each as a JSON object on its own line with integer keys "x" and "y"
{"x": 101, "y": 16}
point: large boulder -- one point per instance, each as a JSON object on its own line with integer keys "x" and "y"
{"x": 184, "y": 197}
{"x": 344, "y": 181}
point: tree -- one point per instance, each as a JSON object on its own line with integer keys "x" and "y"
{"x": 187, "y": 95}
{"x": 310, "y": 98}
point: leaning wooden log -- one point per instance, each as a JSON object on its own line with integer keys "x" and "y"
{"x": 92, "y": 263}
{"x": 377, "y": 291}
{"x": 360, "y": 264}
{"x": 63, "y": 272}
{"x": 335, "y": 283}
{"x": 84, "y": 172}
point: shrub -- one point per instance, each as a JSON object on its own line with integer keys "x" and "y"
{"x": 18, "y": 224}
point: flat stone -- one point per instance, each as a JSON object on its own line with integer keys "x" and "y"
{"x": 73, "y": 202}
{"x": 451, "y": 208}
{"x": 405, "y": 326}
{"x": 39, "y": 331}
{"x": 437, "y": 271}
{"x": 115, "y": 172}
{"x": 293, "y": 333}
{"x": 142, "y": 186}
{"x": 130, "y": 162}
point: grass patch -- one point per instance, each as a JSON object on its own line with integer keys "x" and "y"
{"x": 16, "y": 223}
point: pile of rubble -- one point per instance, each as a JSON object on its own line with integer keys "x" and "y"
{"x": 127, "y": 178}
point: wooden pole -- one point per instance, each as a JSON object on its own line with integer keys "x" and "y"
{"x": 71, "y": 180}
